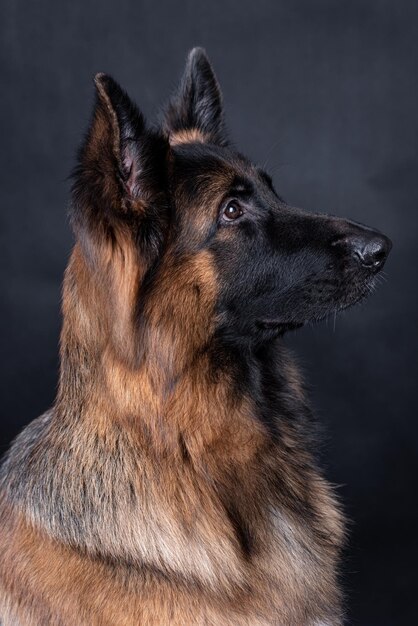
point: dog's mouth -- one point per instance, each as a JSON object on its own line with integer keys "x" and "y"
{"x": 343, "y": 298}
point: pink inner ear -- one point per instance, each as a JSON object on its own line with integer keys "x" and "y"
{"x": 131, "y": 168}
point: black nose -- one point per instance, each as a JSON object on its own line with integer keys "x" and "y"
{"x": 372, "y": 252}
{"x": 368, "y": 246}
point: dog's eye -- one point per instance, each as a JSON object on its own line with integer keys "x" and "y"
{"x": 232, "y": 211}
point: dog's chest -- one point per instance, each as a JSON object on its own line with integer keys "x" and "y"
{"x": 296, "y": 567}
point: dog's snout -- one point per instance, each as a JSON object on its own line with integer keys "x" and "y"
{"x": 368, "y": 246}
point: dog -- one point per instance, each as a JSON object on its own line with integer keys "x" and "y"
{"x": 175, "y": 479}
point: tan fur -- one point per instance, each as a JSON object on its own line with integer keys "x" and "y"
{"x": 187, "y": 136}
{"x": 39, "y": 590}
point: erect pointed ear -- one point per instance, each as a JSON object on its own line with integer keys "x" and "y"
{"x": 121, "y": 164}
{"x": 195, "y": 112}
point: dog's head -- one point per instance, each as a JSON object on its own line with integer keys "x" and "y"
{"x": 213, "y": 248}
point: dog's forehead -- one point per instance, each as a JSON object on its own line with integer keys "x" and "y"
{"x": 210, "y": 163}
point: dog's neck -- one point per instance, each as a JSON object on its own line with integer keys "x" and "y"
{"x": 171, "y": 395}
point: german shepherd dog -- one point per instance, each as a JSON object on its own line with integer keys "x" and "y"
{"x": 174, "y": 481}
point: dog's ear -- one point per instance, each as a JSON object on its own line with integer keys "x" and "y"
{"x": 195, "y": 112}
{"x": 121, "y": 172}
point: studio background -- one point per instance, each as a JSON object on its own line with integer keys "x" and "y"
{"x": 323, "y": 94}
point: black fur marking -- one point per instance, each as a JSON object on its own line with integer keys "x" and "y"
{"x": 241, "y": 529}
{"x": 183, "y": 449}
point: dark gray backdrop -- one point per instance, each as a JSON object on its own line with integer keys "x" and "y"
{"x": 323, "y": 91}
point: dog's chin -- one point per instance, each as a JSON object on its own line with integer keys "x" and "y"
{"x": 277, "y": 327}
